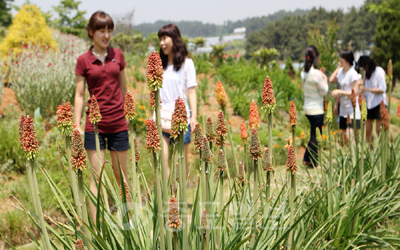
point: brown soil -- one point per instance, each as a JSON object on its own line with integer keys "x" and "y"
{"x": 8, "y": 99}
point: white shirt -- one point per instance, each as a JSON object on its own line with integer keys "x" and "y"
{"x": 377, "y": 80}
{"x": 173, "y": 87}
{"x": 314, "y": 91}
{"x": 344, "y": 83}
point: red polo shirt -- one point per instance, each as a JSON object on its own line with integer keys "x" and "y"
{"x": 104, "y": 83}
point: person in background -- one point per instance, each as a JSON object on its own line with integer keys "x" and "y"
{"x": 374, "y": 90}
{"x": 179, "y": 80}
{"x": 102, "y": 68}
{"x": 348, "y": 79}
{"x": 315, "y": 88}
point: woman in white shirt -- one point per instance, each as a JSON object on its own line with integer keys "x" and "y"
{"x": 374, "y": 92}
{"x": 179, "y": 80}
{"x": 348, "y": 79}
{"x": 315, "y": 88}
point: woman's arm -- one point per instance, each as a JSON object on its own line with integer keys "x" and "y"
{"x": 191, "y": 94}
{"x": 79, "y": 99}
{"x": 339, "y": 92}
{"x": 333, "y": 77}
{"x": 122, "y": 83}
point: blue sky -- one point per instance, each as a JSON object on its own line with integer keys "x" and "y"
{"x": 212, "y": 11}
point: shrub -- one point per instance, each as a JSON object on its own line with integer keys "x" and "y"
{"x": 41, "y": 79}
{"x": 28, "y": 27}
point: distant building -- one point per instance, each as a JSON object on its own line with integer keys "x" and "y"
{"x": 238, "y": 31}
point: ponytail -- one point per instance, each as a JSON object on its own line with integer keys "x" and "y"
{"x": 312, "y": 55}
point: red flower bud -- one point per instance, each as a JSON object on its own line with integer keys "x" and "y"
{"x": 78, "y": 156}
{"x": 64, "y": 119}
{"x": 255, "y": 146}
{"x": 154, "y": 71}
{"x": 152, "y": 139}
{"x": 220, "y": 93}
{"x": 179, "y": 118}
{"x": 293, "y": 115}
{"x": 94, "y": 111}
{"x": 254, "y": 119}
{"x": 129, "y": 107}
{"x": 291, "y": 164}
{"x": 243, "y": 132}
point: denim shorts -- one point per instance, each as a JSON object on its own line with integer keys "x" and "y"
{"x": 186, "y": 136}
{"x": 113, "y": 141}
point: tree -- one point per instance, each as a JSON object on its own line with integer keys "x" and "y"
{"x": 124, "y": 24}
{"x": 5, "y": 13}
{"x": 199, "y": 41}
{"x": 217, "y": 52}
{"x": 387, "y": 36}
{"x": 326, "y": 44}
{"x": 28, "y": 27}
{"x": 70, "y": 19}
{"x": 266, "y": 56}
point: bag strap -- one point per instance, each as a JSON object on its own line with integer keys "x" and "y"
{"x": 183, "y": 79}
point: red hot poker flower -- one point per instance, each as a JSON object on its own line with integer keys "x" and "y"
{"x": 267, "y": 161}
{"x": 220, "y": 93}
{"x": 30, "y": 144}
{"x": 206, "y": 152}
{"x": 79, "y": 245}
{"x": 221, "y": 165}
{"x": 221, "y": 129}
{"x": 353, "y": 99}
{"x": 360, "y": 99}
{"x": 240, "y": 175}
{"x": 94, "y": 111}
{"x": 210, "y": 130}
{"x": 137, "y": 152}
{"x": 348, "y": 121}
{"x": 153, "y": 99}
{"x": 268, "y": 97}
{"x": 386, "y": 120}
{"x": 254, "y": 118}
{"x": 64, "y": 119}
{"x": 293, "y": 115}
{"x": 291, "y": 164}
{"x": 243, "y": 132}
{"x": 129, "y": 107}
{"x": 154, "y": 71}
{"x": 198, "y": 137}
{"x": 152, "y": 139}
{"x": 179, "y": 118}
{"x": 255, "y": 146}
{"x": 174, "y": 221}
{"x": 382, "y": 108}
{"x": 78, "y": 156}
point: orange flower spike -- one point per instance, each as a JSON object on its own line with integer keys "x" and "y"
{"x": 207, "y": 154}
{"x": 173, "y": 220}
{"x": 129, "y": 107}
{"x": 30, "y": 144}
{"x": 221, "y": 129}
{"x": 386, "y": 120}
{"x": 94, "y": 111}
{"x": 152, "y": 139}
{"x": 241, "y": 173}
{"x": 220, "y": 93}
{"x": 293, "y": 115}
{"x": 78, "y": 156}
{"x": 382, "y": 108}
{"x": 79, "y": 245}
{"x": 221, "y": 164}
{"x": 203, "y": 220}
{"x": 154, "y": 71}
{"x": 198, "y": 137}
{"x": 243, "y": 132}
{"x": 254, "y": 118}
{"x": 291, "y": 164}
{"x": 179, "y": 118}
{"x": 255, "y": 146}
{"x": 137, "y": 152}
{"x": 360, "y": 99}
{"x": 267, "y": 160}
{"x": 353, "y": 99}
{"x": 348, "y": 121}
{"x": 268, "y": 97}
{"x": 398, "y": 110}
{"x": 126, "y": 191}
{"x": 210, "y": 130}
{"x": 64, "y": 119}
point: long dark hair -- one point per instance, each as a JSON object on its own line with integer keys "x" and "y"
{"x": 99, "y": 20}
{"x": 347, "y": 55}
{"x": 368, "y": 64}
{"x": 312, "y": 55}
{"x": 178, "y": 48}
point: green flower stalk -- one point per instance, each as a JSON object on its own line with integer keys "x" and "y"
{"x": 206, "y": 158}
{"x": 319, "y": 141}
{"x": 291, "y": 165}
{"x": 30, "y": 146}
{"x": 244, "y": 135}
{"x": 328, "y": 120}
{"x": 153, "y": 146}
{"x": 78, "y": 161}
{"x": 154, "y": 71}
{"x": 390, "y": 74}
{"x": 255, "y": 153}
{"x": 363, "y": 119}
{"x": 179, "y": 125}
{"x": 267, "y": 166}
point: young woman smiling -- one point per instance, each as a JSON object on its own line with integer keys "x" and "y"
{"x": 102, "y": 68}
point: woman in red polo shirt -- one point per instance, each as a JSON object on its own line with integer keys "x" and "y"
{"x": 102, "y": 68}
